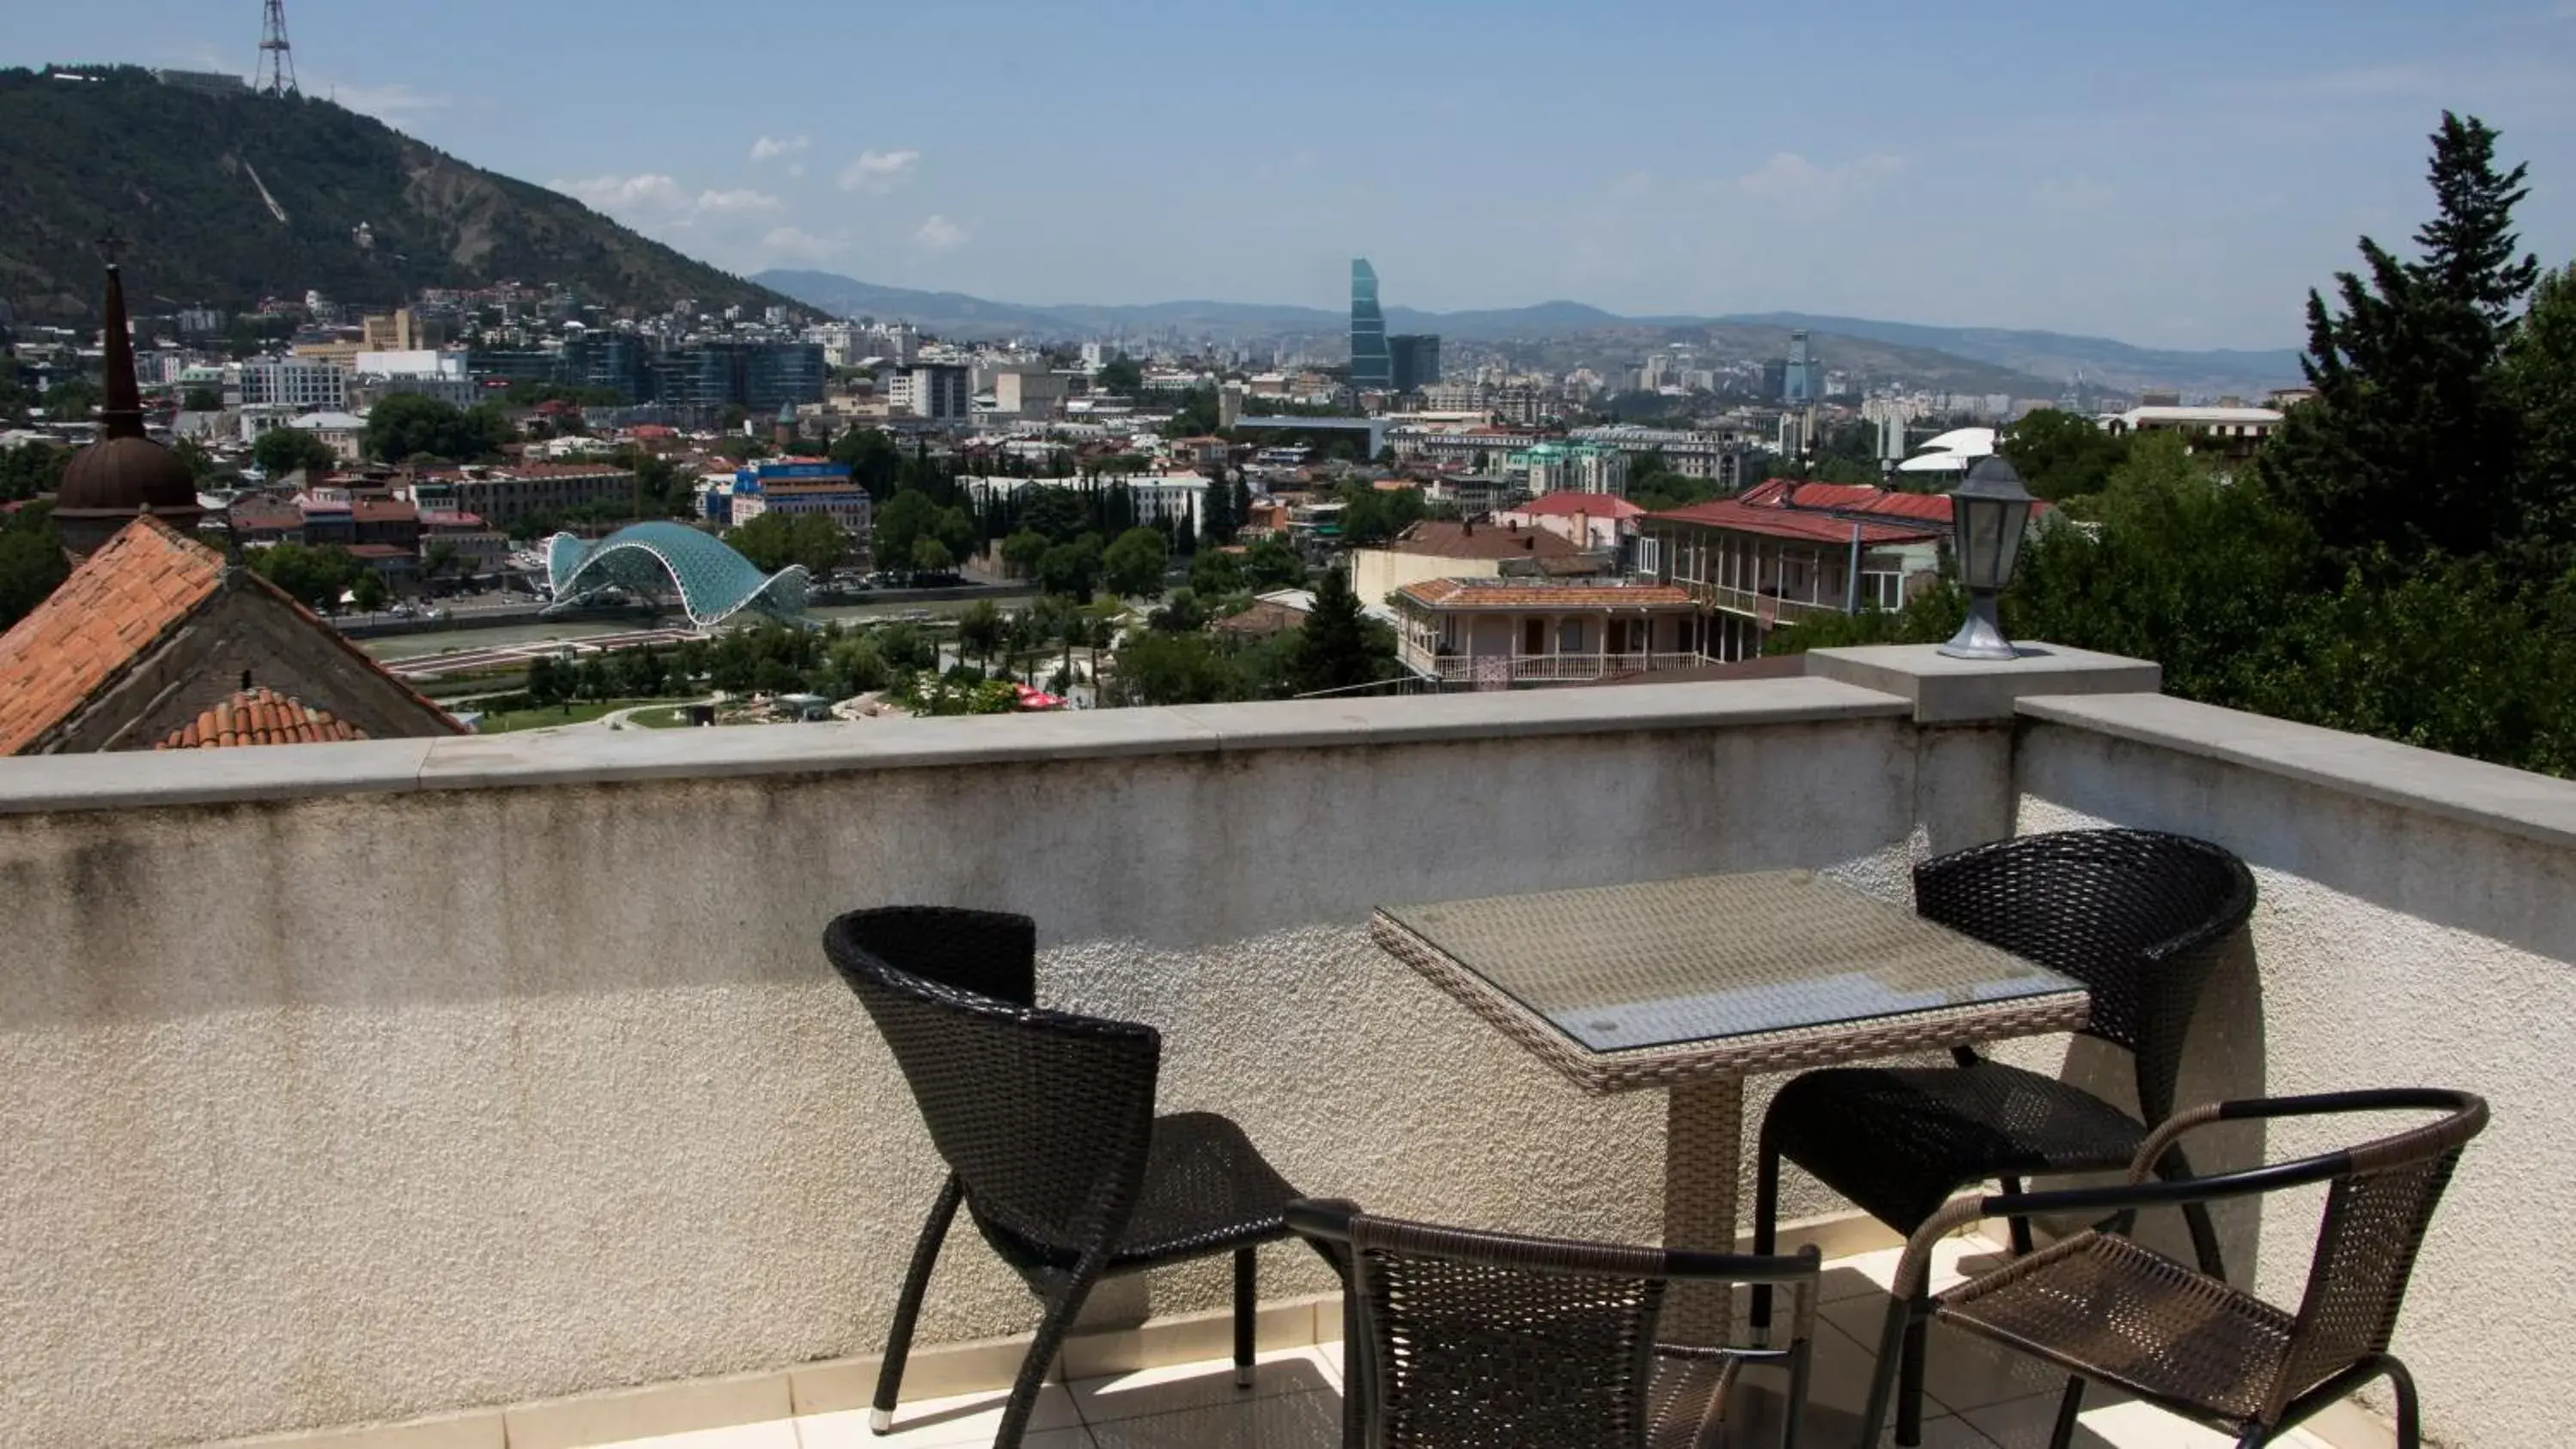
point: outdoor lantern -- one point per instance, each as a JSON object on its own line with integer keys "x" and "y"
{"x": 1988, "y": 513}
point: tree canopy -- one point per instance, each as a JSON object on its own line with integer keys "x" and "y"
{"x": 281, "y": 451}
{"x": 409, "y": 424}
{"x": 772, "y": 540}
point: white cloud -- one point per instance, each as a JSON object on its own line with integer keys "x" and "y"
{"x": 879, "y": 171}
{"x": 625, "y": 193}
{"x": 730, "y": 201}
{"x": 654, "y": 196}
{"x": 385, "y": 103}
{"x": 766, "y": 149}
{"x": 795, "y": 244}
{"x": 1791, "y": 180}
{"x": 798, "y": 169}
{"x": 939, "y": 234}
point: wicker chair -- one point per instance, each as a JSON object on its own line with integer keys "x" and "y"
{"x": 2138, "y": 917}
{"x": 1046, "y": 1121}
{"x": 2102, "y": 1307}
{"x": 1531, "y": 1343}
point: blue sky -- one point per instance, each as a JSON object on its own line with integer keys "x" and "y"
{"x": 2172, "y": 174}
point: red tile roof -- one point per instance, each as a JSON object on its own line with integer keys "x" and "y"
{"x": 1441, "y": 539}
{"x": 384, "y": 510}
{"x": 1849, "y": 498}
{"x": 144, "y": 583}
{"x": 1511, "y": 594}
{"x": 260, "y": 717}
{"x": 1742, "y": 517}
{"x": 1568, "y": 503}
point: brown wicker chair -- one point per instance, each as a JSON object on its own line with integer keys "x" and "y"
{"x": 1505, "y": 1342}
{"x": 2101, "y": 1307}
{"x": 1047, "y": 1123}
{"x": 2140, "y": 918}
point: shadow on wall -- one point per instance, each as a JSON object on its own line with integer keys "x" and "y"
{"x": 2409, "y": 862}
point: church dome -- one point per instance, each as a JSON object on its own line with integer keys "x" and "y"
{"x": 124, "y": 474}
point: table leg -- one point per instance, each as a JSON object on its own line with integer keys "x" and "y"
{"x": 1703, "y": 1153}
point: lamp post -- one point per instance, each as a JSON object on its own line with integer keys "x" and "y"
{"x": 1988, "y": 511}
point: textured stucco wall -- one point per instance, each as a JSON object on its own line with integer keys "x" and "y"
{"x": 2395, "y": 945}
{"x": 334, "y": 1109}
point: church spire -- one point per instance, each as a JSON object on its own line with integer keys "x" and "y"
{"x": 122, "y": 417}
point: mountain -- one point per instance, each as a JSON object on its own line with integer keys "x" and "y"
{"x": 225, "y": 198}
{"x": 1965, "y": 359}
{"x": 2058, "y": 355}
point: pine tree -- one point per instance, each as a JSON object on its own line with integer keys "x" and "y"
{"x": 2412, "y": 442}
{"x": 1333, "y": 652}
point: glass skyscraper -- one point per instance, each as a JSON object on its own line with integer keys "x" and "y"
{"x": 1372, "y": 366}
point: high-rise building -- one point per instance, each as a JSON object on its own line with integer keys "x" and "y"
{"x": 1413, "y": 361}
{"x": 1372, "y": 366}
{"x": 1805, "y": 380}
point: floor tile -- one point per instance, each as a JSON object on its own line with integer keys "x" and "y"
{"x": 1960, "y": 1370}
{"x": 1206, "y": 1384}
{"x": 1287, "y": 1421}
{"x": 2027, "y": 1423}
{"x": 775, "y": 1434}
{"x": 1953, "y": 1259}
{"x": 936, "y": 1423}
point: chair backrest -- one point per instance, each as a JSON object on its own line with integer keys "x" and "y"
{"x": 2138, "y": 916}
{"x": 1504, "y": 1341}
{"x": 2376, "y": 1216}
{"x": 1045, "y": 1117}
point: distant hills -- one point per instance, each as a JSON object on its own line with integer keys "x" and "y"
{"x": 223, "y": 199}
{"x": 1971, "y": 358}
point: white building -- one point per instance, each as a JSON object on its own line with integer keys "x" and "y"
{"x": 1159, "y": 497}
{"x": 933, "y": 390}
{"x": 294, "y": 384}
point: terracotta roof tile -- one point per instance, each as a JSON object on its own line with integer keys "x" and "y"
{"x": 260, "y": 717}
{"x": 1775, "y": 522}
{"x": 1511, "y": 594}
{"x": 1567, "y": 503}
{"x": 140, "y": 586}
{"x": 1441, "y": 539}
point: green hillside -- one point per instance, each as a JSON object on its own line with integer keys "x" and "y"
{"x": 193, "y": 185}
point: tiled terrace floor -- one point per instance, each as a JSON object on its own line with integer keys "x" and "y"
{"x": 1983, "y": 1398}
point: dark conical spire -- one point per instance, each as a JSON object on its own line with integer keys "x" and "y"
{"x": 123, "y": 475}
{"x": 123, "y": 415}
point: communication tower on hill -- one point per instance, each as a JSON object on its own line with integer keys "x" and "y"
{"x": 276, "y": 57}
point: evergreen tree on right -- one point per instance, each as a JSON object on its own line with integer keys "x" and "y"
{"x": 1333, "y": 650}
{"x": 2412, "y": 443}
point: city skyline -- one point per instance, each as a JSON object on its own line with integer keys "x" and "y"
{"x": 1977, "y": 167}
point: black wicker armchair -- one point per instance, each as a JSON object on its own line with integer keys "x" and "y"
{"x": 2140, "y": 918}
{"x": 1502, "y": 1342}
{"x": 2103, "y": 1308}
{"x": 1046, "y": 1121}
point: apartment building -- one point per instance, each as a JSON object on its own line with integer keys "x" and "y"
{"x": 1785, "y": 551}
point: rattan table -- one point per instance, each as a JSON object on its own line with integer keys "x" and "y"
{"x": 1692, "y": 985}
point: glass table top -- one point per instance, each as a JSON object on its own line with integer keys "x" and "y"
{"x": 1623, "y": 967}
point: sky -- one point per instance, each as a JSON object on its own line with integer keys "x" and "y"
{"x": 2172, "y": 175}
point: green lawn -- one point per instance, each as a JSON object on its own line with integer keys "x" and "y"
{"x": 661, "y": 719}
{"x": 578, "y": 712}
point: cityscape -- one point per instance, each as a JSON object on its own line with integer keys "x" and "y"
{"x": 1549, "y": 645}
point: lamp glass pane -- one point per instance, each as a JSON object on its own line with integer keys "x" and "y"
{"x": 1981, "y": 530}
{"x": 2016, "y": 518}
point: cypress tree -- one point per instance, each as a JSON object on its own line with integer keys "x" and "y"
{"x": 2411, "y": 443}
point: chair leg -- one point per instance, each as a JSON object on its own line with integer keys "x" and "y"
{"x": 2410, "y": 1423}
{"x": 2020, "y": 1227}
{"x": 1766, "y": 1234}
{"x": 1801, "y": 1370}
{"x": 907, "y": 1306}
{"x": 1247, "y": 1267}
{"x": 1909, "y": 1385}
{"x": 1060, "y": 1313}
{"x": 2068, "y": 1406}
{"x": 1882, "y": 1374}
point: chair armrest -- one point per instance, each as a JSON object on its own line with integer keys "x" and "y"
{"x": 2391, "y": 1099}
{"x": 2467, "y": 1116}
